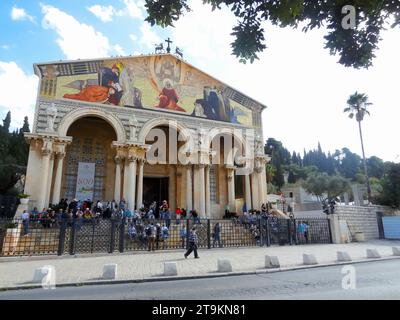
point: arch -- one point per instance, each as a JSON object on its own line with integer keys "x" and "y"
{"x": 166, "y": 122}
{"x": 76, "y": 114}
{"x": 245, "y": 153}
{"x": 229, "y": 131}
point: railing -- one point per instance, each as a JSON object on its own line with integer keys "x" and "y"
{"x": 96, "y": 235}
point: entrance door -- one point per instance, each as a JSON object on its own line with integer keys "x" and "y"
{"x": 155, "y": 189}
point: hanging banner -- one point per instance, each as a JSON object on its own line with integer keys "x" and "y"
{"x": 85, "y": 181}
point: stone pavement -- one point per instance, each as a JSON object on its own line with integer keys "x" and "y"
{"x": 147, "y": 266}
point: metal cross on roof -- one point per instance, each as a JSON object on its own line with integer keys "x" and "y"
{"x": 169, "y": 42}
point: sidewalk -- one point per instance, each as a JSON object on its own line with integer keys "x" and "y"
{"x": 146, "y": 266}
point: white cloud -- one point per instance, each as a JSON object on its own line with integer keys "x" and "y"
{"x": 5, "y": 46}
{"x": 149, "y": 38}
{"x": 20, "y": 14}
{"x": 134, "y": 8}
{"x": 133, "y": 37}
{"x": 18, "y": 92}
{"x": 119, "y": 50}
{"x": 104, "y": 13}
{"x": 76, "y": 40}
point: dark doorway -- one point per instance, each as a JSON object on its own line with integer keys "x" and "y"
{"x": 155, "y": 189}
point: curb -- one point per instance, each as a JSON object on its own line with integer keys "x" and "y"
{"x": 200, "y": 276}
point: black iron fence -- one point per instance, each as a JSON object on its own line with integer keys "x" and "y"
{"x": 76, "y": 236}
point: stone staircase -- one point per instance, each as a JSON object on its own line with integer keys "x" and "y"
{"x": 38, "y": 241}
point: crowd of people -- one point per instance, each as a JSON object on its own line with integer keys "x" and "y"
{"x": 93, "y": 211}
{"x": 149, "y": 226}
{"x": 142, "y": 226}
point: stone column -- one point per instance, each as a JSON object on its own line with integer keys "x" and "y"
{"x": 254, "y": 189}
{"x": 202, "y": 209}
{"x": 139, "y": 200}
{"x": 125, "y": 183}
{"x": 131, "y": 183}
{"x": 207, "y": 192}
{"x": 58, "y": 178}
{"x": 189, "y": 203}
{"x": 247, "y": 192}
{"x": 172, "y": 189}
{"x": 50, "y": 179}
{"x": 264, "y": 183}
{"x": 230, "y": 171}
{"x": 117, "y": 187}
{"x": 46, "y": 154}
{"x": 260, "y": 187}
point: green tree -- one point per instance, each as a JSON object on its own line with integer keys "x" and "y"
{"x": 357, "y": 106}
{"x": 13, "y": 154}
{"x": 348, "y": 163}
{"x": 376, "y": 167}
{"x": 355, "y": 46}
{"x": 321, "y": 184}
{"x": 391, "y": 186}
{"x": 7, "y": 122}
{"x": 316, "y": 184}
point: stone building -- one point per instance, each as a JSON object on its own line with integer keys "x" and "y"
{"x": 144, "y": 128}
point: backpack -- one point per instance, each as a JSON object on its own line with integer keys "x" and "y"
{"x": 165, "y": 232}
{"x": 148, "y": 231}
{"x": 132, "y": 231}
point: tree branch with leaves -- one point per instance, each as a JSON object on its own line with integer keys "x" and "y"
{"x": 355, "y": 46}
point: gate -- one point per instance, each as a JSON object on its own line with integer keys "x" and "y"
{"x": 391, "y": 227}
{"x": 95, "y": 235}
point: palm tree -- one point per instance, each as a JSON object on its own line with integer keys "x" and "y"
{"x": 357, "y": 105}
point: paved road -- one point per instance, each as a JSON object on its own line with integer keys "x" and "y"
{"x": 374, "y": 280}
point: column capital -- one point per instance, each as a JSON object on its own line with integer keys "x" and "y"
{"x": 230, "y": 167}
{"x": 230, "y": 172}
{"x": 258, "y": 169}
{"x": 132, "y": 158}
{"x": 47, "y": 147}
{"x": 60, "y": 155}
{"x": 263, "y": 159}
{"x": 201, "y": 165}
{"x": 117, "y": 159}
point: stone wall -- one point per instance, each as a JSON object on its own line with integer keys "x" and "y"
{"x": 363, "y": 219}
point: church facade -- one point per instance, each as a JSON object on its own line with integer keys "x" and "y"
{"x": 144, "y": 128}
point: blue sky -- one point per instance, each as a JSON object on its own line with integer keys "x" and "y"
{"x": 304, "y": 87}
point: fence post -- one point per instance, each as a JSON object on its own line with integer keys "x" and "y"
{"x": 93, "y": 232}
{"x": 72, "y": 242}
{"x": 187, "y": 233}
{"x": 112, "y": 239}
{"x": 330, "y": 231}
{"x": 296, "y": 241}
{"x": 61, "y": 239}
{"x": 289, "y": 226}
{"x": 260, "y": 232}
{"x": 122, "y": 235}
{"x": 268, "y": 232}
{"x": 208, "y": 233}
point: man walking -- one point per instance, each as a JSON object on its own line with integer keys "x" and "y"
{"x": 193, "y": 242}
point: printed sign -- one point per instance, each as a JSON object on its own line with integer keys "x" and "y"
{"x": 85, "y": 181}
